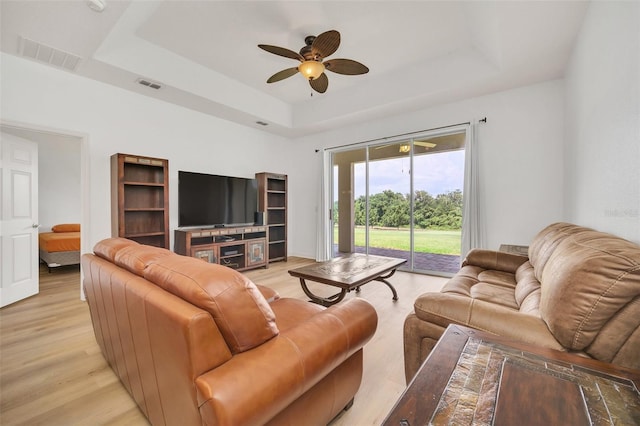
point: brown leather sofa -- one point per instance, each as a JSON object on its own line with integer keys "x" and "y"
{"x": 197, "y": 343}
{"x": 578, "y": 291}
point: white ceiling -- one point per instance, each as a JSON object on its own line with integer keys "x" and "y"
{"x": 205, "y": 54}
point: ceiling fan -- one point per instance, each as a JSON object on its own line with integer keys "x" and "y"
{"x": 311, "y": 58}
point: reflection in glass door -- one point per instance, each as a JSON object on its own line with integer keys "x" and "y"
{"x": 344, "y": 164}
{"x": 388, "y": 205}
{"x": 402, "y": 199}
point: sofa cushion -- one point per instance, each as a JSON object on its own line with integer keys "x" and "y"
{"x": 589, "y": 279}
{"x": 239, "y": 309}
{"x": 527, "y": 292}
{"x": 545, "y": 243}
{"x": 108, "y": 248}
{"x": 477, "y": 283}
{"x": 268, "y": 293}
{"x": 494, "y": 260}
{"x": 443, "y": 309}
{"x": 135, "y": 258}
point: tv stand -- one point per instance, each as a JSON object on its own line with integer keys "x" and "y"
{"x": 238, "y": 247}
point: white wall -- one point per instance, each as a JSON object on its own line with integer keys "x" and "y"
{"x": 116, "y": 120}
{"x": 59, "y": 195}
{"x": 603, "y": 122}
{"x": 521, "y": 158}
{"x": 520, "y": 145}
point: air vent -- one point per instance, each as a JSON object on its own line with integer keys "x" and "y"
{"x": 47, "y": 54}
{"x": 149, "y": 83}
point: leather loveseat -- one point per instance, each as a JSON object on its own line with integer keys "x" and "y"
{"x": 197, "y": 343}
{"x": 578, "y": 291}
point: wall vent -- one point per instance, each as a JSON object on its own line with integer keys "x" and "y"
{"x": 149, "y": 83}
{"x": 47, "y": 54}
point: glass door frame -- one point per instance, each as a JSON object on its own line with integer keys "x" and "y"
{"x": 408, "y": 139}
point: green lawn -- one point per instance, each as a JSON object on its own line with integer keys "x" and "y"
{"x": 426, "y": 241}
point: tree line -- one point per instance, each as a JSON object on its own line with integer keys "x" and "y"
{"x": 391, "y": 209}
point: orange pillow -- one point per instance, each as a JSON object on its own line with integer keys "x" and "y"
{"x": 66, "y": 227}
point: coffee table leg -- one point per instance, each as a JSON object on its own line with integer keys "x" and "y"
{"x": 324, "y": 301}
{"x": 384, "y": 280}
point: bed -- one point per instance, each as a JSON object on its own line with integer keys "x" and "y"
{"x": 61, "y": 246}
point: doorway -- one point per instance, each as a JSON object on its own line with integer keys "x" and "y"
{"x": 63, "y": 177}
{"x": 402, "y": 199}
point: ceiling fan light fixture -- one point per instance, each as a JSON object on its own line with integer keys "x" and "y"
{"x": 311, "y": 70}
{"x": 97, "y": 5}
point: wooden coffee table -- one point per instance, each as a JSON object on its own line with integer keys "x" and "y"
{"x": 473, "y": 377}
{"x": 348, "y": 272}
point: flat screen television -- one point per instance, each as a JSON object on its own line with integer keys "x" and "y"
{"x": 214, "y": 200}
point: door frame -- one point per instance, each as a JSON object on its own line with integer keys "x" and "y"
{"x": 85, "y": 213}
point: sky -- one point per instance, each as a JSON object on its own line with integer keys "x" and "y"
{"x": 436, "y": 173}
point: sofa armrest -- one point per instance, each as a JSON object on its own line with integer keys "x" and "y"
{"x": 268, "y": 293}
{"x": 494, "y": 260}
{"x": 443, "y": 309}
{"x": 271, "y": 376}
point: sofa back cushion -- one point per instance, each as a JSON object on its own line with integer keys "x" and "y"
{"x": 240, "y": 311}
{"x": 136, "y": 258}
{"x": 129, "y": 254}
{"x": 108, "y": 248}
{"x": 588, "y": 285}
{"x": 545, "y": 243}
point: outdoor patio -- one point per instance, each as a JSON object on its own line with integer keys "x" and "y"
{"x": 449, "y": 264}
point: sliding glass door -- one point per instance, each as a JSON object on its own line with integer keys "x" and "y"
{"x": 401, "y": 199}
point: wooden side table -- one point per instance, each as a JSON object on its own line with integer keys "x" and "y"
{"x": 473, "y": 377}
{"x": 515, "y": 249}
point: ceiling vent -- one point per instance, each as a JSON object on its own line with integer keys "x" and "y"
{"x": 149, "y": 83}
{"x": 47, "y": 54}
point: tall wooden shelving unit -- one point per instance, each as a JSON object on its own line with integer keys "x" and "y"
{"x": 272, "y": 200}
{"x": 140, "y": 199}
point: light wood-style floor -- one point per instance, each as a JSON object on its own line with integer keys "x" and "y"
{"x": 52, "y": 371}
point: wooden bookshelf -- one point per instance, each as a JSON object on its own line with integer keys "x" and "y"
{"x": 140, "y": 199}
{"x": 272, "y": 200}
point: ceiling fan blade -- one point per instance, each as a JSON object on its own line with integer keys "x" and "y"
{"x": 326, "y": 43}
{"x": 281, "y": 51}
{"x": 320, "y": 84}
{"x": 282, "y": 75}
{"x": 425, "y": 144}
{"x": 345, "y": 66}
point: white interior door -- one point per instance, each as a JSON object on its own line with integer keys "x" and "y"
{"x": 19, "y": 219}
